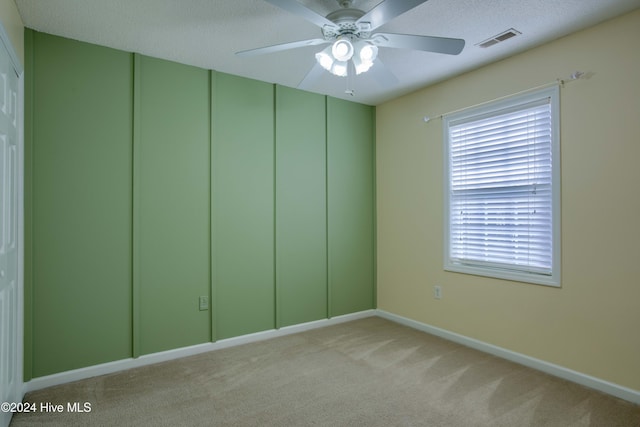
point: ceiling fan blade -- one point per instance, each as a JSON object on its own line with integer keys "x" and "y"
{"x": 302, "y": 11}
{"x": 280, "y": 47}
{"x": 387, "y": 10}
{"x": 312, "y": 76}
{"x": 382, "y": 74}
{"x": 425, "y": 43}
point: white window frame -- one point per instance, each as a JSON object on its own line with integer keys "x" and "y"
{"x": 496, "y": 108}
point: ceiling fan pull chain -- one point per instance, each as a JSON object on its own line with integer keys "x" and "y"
{"x": 350, "y": 72}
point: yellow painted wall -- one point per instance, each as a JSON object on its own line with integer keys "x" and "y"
{"x": 592, "y": 323}
{"x": 13, "y": 25}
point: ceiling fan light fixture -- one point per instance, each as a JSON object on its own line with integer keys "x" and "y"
{"x": 325, "y": 59}
{"x": 366, "y": 53}
{"x": 340, "y": 68}
{"x": 362, "y": 67}
{"x": 331, "y": 63}
{"x": 335, "y": 58}
{"x": 342, "y": 50}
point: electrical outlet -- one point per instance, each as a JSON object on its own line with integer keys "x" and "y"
{"x": 203, "y": 303}
{"x": 437, "y": 292}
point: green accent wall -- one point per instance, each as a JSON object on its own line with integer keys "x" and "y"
{"x": 243, "y": 205}
{"x": 149, "y": 184}
{"x": 301, "y": 217}
{"x": 80, "y": 248}
{"x": 350, "y": 206}
{"x": 171, "y": 204}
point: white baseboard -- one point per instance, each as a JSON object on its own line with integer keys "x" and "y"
{"x": 149, "y": 359}
{"x": 540, "y": 365}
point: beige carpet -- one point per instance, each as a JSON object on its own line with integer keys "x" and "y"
{"x": 369, "y": 372}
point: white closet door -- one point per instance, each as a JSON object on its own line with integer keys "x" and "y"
{"x": 9, "y": 350}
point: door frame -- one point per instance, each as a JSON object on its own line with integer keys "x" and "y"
{"x": 5, "y": 41}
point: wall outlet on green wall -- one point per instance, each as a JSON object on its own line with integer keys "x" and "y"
{"x": 203, "y": 303}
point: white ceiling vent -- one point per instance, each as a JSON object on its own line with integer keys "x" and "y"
{"x": 499, "y": 38}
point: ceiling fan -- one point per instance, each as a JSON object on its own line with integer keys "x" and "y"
{"x": 353, "y": 44}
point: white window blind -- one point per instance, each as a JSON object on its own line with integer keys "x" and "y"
{"x": 500, "y": 206}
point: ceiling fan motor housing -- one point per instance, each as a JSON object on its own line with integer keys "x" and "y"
{"x": 346, "y": 25}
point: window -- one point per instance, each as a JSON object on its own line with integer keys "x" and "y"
{"x": 502, "y": 192}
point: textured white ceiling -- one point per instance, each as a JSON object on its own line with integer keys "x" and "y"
{"x": 207, "y": 33}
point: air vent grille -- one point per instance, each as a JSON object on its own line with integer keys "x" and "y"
{"x": 505, "y": 35}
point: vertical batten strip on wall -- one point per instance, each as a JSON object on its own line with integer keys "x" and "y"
{"x": 374, "y": 208}
{"x": 326, "y": 204}
{"x": 135, "y": 244}
{"x": 276, "y": 298}
{"x": 213, "y": 299}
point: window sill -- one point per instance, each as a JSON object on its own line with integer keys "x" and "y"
{"x": 497, "y": 273}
